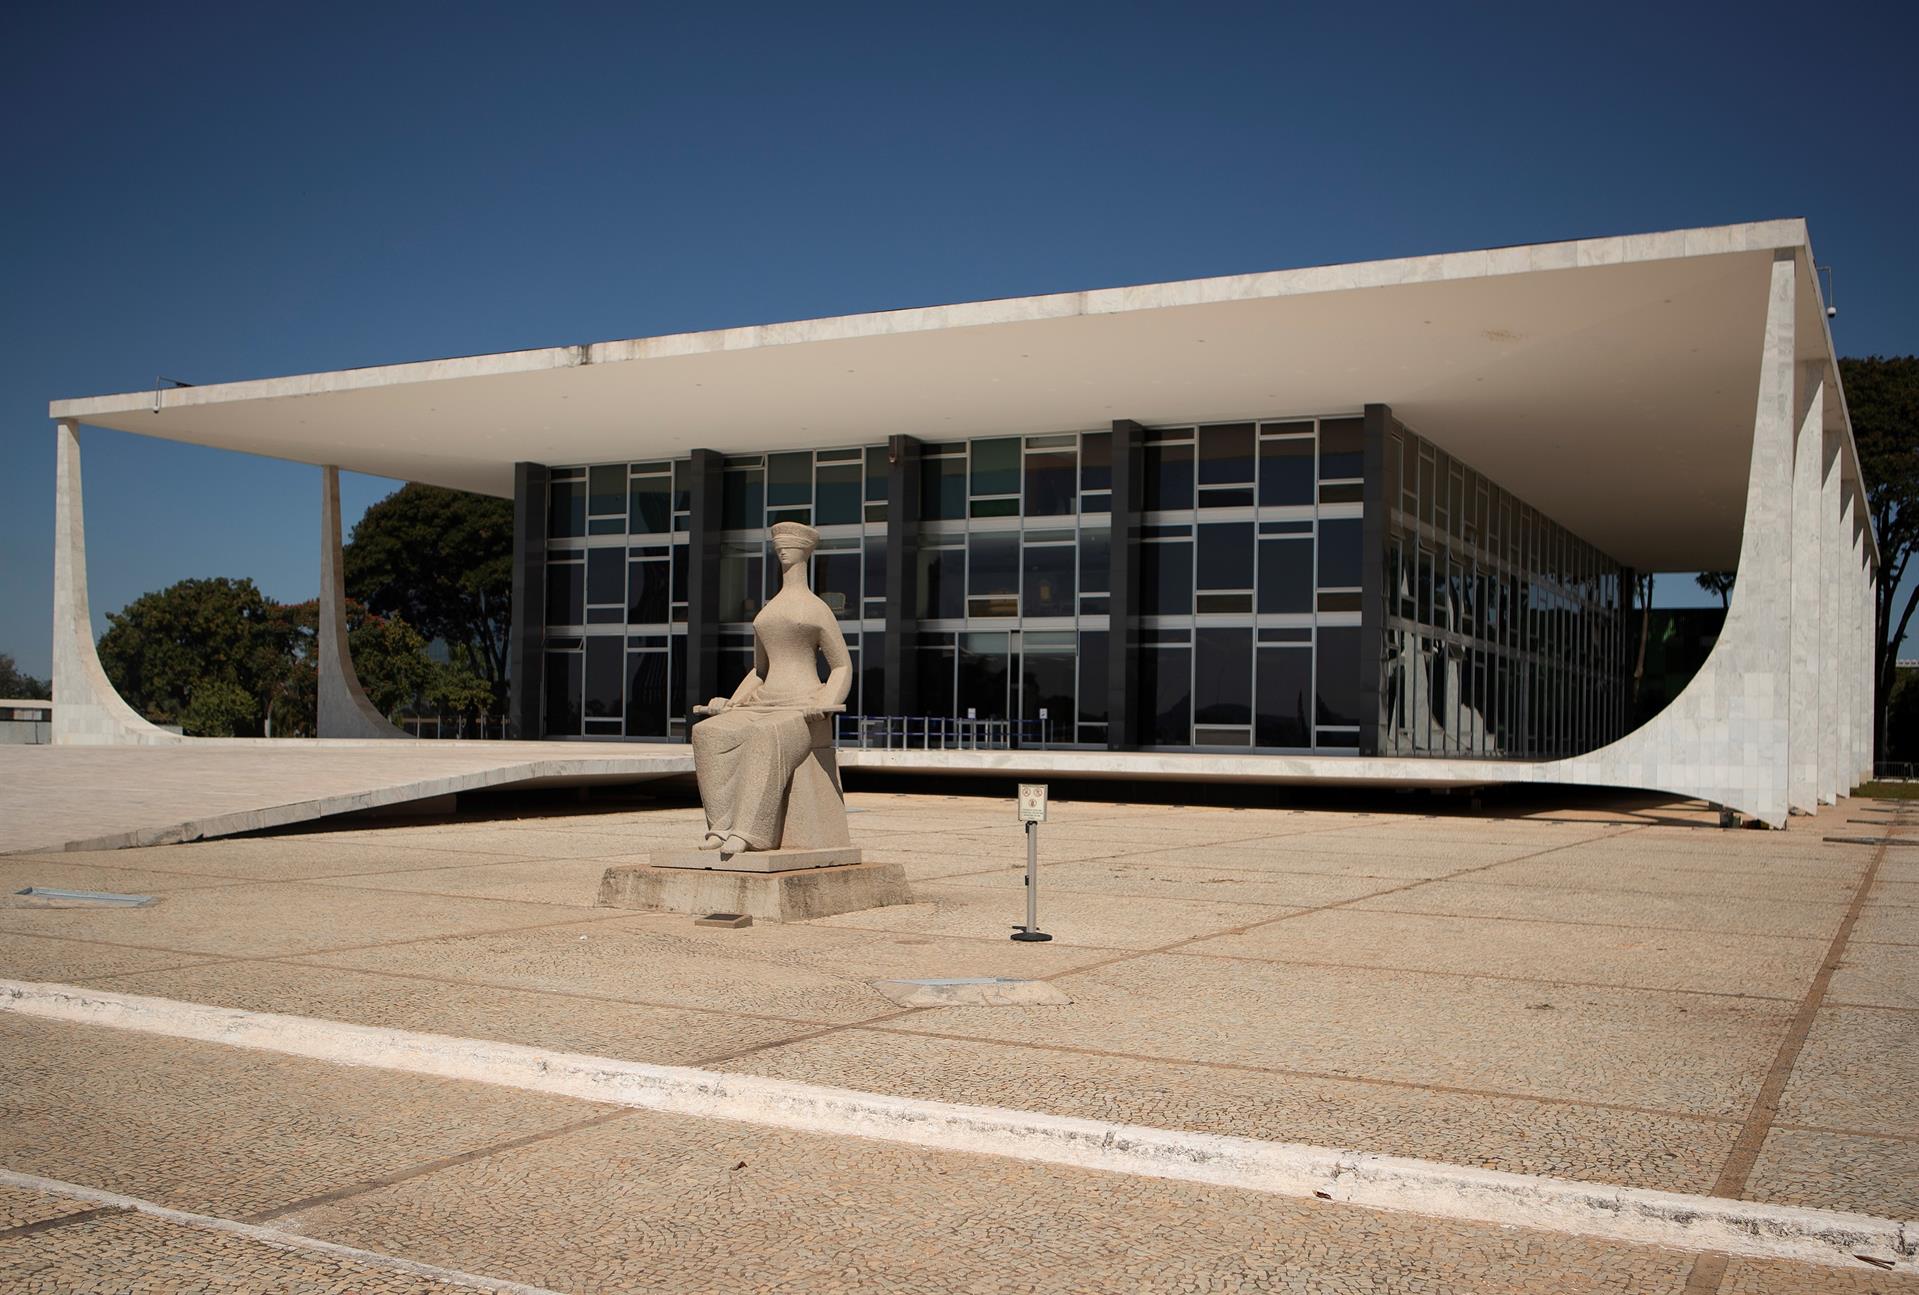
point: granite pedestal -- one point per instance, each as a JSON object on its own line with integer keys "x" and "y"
{"x": 759, "y": 883}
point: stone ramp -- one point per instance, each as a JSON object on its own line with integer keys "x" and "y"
{"x": 109, "y": 797}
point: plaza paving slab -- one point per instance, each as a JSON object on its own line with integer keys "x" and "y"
{"x": 576, "y": 1197}
{"x": 1590, "y": 990}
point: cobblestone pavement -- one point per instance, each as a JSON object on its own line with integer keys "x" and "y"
{"x": 1617, "y": 993}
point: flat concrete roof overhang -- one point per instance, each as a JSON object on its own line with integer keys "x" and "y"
{"x": 1611, "y": 382}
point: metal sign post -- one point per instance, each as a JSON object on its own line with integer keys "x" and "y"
{"x": 1032, "y": 812}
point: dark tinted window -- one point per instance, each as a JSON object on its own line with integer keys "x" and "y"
{"x": 1166, "y": 578}
{"x": 996, "y": 466}
{"x": 1050, "y": 477}
{"x": 837, "y": 501}
{"x": 1048, "y": 581}
{"x": 1339, "y": 552}
{"x": 649, "y": 505}
{"x": 646, "y": 677}
{"x": 1283, "y": 717}
{"x": 563, "y": 694}
{"x": 1169, "y": 477}
{"x": 605, "y": 576}
{"x": 647, "y": 590}
{"x": 566, "y": 508}
{"x": 1286, "y": 575}
{"x": 1342, "y": 448}
{"x": 1223, "y": 676}
{"x": 605, "y": 687}
{"x": 1166, "y": 690}
{"x": 1226, "y": 455}
{"x": 607, "y": 489}
{"x": 565, "y": 593}
{"x": 1286, "y": 472}
{"x": 789, "y": 479}
{"x": 1338, "y": 674}
{"x": 1226, "y": 556}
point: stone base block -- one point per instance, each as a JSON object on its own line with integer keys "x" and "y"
{"x": 791, "y": 896}
{"x": 756, "y": 860}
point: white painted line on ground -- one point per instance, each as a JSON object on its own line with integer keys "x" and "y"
{"x": 278, "y": 1238}
{"x": 1630, "y": 1214}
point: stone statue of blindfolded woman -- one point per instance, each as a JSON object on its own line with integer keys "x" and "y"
{"x": 764, "y": 756}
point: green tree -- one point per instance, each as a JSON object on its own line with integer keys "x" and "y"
{"x": 1717, "y": 582}
{"x": 1882, "y": 397}
{"x": 209, "y": 655}
{"x": 389, "y": 657}
{"x": 442, "y": 561}
{"x": 17, "y": 683}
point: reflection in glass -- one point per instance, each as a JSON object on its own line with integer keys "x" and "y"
{"x": 983, "y": 676}
{"x": 646, "y": 674}
{"x": 649, "y": 505}
{"x": 942, "y": 584}
{"x": 1222, "y": 676}
{"x": 1048, "y": 580}
{"x": 837, "y": 498}
{"x": 563, "y": 672}
{"x": 789, "y": 479}
{"x": 648, "y": 585}
{"x": 1166, "y": 578}
{"x": 1166, "y": 689}
{"x": 1337, "y": 684}
{"x": 604, "y": 685}
{"x": 1050, "y": 488}
{"x": 1285, "y": 688}
{"x": 1092, "y": 678}
{"x": 606, "y": 490}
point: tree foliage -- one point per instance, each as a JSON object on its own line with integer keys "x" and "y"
{"x": 208, "y": 655}
{"x": 1882, "y": 398}
{"x": 18, "y": 684}
{"x": 441, "y": 560}
{"x": 1717, "y": 582}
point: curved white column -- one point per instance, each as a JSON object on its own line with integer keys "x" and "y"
{"x": 87, "y": 710}
{"x": 1832, "y": 603}
{"x": 1808, "y": 526}
{"x": 344, "y": 709}
{"x": 1727, "y": 736}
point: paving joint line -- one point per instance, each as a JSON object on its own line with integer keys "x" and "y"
{"x": 434, "y": 1166}
{"x": 1709, "y": 1271}
{"x": 1319, "y": 908}
{"x": 277, "y": 1238}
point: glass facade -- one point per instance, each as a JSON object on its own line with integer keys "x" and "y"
{"x": 1502, "y": 632}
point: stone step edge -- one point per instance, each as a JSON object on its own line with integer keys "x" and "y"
{"x": 1635, "y": 1215}
{"x": 277, "y": 1237}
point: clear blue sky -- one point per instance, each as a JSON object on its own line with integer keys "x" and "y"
{"x": 212, "y": 192}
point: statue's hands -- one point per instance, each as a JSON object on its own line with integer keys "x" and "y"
{"x": 713, "y": 707}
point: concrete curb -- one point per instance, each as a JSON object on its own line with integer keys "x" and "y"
{"x": 278, "y": 1238}
{"x": 1627, "y": 1214}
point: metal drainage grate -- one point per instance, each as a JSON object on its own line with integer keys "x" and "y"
{"x": 1873, "y": 840}
{"x": 50, "y": 897}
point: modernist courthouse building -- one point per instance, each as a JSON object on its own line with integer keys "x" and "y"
{"x": 1369, "y": 522}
